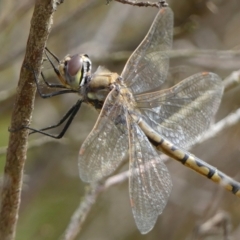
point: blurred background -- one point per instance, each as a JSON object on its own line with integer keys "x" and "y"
{"x": 52, "y": 188}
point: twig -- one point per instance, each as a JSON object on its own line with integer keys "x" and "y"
{"x": 116, "y": 179}
{"x": 82, "y": 211}
{"x": 232, "y": 80}
{"x": 90, "y": 197}
{"x": 17, "y": 147}
{"x": 227, "y": 122}
{"x": 142, "y": 4}
{"x": 220, "y": 221}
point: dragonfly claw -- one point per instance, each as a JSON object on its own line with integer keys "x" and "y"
{"x": 12, "y": 130}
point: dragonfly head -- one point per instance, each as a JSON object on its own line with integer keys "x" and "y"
{"x": 75, "y": 70}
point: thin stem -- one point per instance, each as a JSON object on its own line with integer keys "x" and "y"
{"x": 81, "y": 213}
{"x": 142, "y": 4}
{"x": 17, "y": 147}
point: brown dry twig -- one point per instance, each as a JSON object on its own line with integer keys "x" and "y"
{"x": 81, "y": 213}
{"x": 220, "y": 223}
{"x": 17, "y": 147}
{"x": 92, "y": 192}
{"x": 159, "y": 4}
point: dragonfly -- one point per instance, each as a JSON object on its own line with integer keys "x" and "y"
{"x": 140, "y": 120}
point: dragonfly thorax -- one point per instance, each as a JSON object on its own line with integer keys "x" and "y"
{"x": 99, "y": 86}
{"x": 75, "y": 70}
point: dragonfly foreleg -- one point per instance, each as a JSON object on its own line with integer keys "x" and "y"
{"x": 48, "y": 95}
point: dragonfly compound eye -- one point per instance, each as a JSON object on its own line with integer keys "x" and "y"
{"x": 77, "y": 70}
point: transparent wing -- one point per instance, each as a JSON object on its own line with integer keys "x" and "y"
{"x": 183, "y": 112}
{"x": 149, "y": 183}
{"x": 106, "y": 145}
{"x": 147, "y": 67}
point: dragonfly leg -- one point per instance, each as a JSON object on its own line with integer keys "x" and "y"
{"x": 48, "y": 95}
{"x": 54, "y": 68}
{"x": 69, "y": 115}
{"x": 51, "y": 85}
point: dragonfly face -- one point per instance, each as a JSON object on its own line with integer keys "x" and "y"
{"x": 75, "y": 70}
{"x": 75, "y": 73}
{"x": 134, "y": 115}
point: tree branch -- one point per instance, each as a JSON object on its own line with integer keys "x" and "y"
{"x": 81, "y": 213}
{"x": 16, "y": 154}
{"x": 158, "y": 4}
